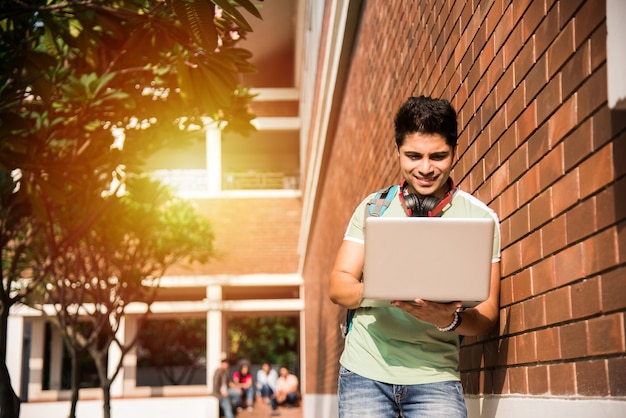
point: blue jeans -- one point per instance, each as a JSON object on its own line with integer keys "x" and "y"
{"x": 226, "y": 408}
{"x": 360, "y": 397}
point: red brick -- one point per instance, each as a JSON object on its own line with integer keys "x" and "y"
{"x": 538, "y": 145}
{"x": 547, "y": 31}
{"x": 567, "y": 9}
{"x": 566, "y": 192}
{"x": 515, "y": 319}
{"x": 551, "y": 167}
{"x": 515, "y": 104}
{"x": 606, "y": 210}
{"x": 562, "y": 379}
{"x": 524, "y": 61}
{"x": 598, "y": 47}
{"x": 543, "y": 276}
{"x": 501, "y": 381}
{"x": 561, "y": 49}
{"x": 519, "y": 223}
{"x": 581, "y": 221}
{"x": 592, "y": 378}
{"x": 508, "y": 201}
{"x": 538, "y": 383}
{"x": 518, "y": 380}
{"x": 617, "y": 377}
{"x": 529, "y": 185}
{"x": 613, "y": 288}
{"x": 548, "y": 345}
{"x": 573, "y": 340}
{"x": 511, "y": 259}
{"x": 531, "y": 248}
{"x": 562, "y": 121}
{"x": 597, "y": 171}
{"x": 540, "y": 210}
{"x": 536, "y": 79}
{"x": 498, "y": 127}
{"x": 592, "y": 94}
{"x": 558, "y": 306}
{"x": 576, "y": 70}
{"x": 600, "y": 251}
{"x": 588, "y": 18}
{"x": 549, "y": 99}
{"x": 533, "y": 16}
{"x": 504, "y": 88}
{"x": 506, "y": 291}
{"x": 506, "y": 351}
{"x": 522, "y": 286}
{"x": 569, "y": 264}
{"x": 578, "y": 145}
{"x": 527, "y": 122}
{"x": 534, "y": 313}
{"x": 586, "y": 298}
{"x": 606, "y": 335}
{"x": 554, "y": 236}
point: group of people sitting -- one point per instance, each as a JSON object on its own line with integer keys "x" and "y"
{"x": 240, "y": 390}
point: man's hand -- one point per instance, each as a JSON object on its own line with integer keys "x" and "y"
{"x": 439, "y": 314}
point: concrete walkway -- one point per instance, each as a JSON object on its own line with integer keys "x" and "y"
{"x": 263, "y": 410}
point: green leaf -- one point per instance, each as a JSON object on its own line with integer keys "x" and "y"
{"x": 233, "y": 14}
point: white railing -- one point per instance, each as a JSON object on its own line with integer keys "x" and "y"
{"x": 195, "y": 182}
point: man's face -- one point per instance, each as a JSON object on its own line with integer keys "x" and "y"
{"x": 425, "y": 163}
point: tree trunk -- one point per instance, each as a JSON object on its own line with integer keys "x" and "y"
{"x": 75, "y": 383}
{"x": 106, "y": 403}
{"x": 9, "y": 402}
{"x": 105, "y": 383}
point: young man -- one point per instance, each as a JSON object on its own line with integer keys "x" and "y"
{"x": 402, "y": 360}
{"x": 223, "y": 390}
{"x": 287, "y": 388}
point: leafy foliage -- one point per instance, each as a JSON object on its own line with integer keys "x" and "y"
{"x": 76, "y": 74}
{"x": 260, "y": 339}
{"x": 173, "y": 344}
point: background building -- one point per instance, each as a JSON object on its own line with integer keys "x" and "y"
{"x": 539, "y": 88}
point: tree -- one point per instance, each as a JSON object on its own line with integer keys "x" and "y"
{"x": 118, "y": 263}
{"x": 266, "y": 338}
{"x": 74, "y": 72}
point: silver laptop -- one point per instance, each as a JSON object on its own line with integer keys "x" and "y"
{"x": 436, "y": 259}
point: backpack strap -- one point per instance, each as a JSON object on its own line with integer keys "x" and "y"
{"x": 377, "y": 205}
{"x": 381, "y": 200}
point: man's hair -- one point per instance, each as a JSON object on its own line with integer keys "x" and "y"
{"x": 426, "y": 115}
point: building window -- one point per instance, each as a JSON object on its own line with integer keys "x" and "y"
{"x": 172, "y": 352}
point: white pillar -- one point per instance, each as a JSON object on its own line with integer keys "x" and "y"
{"x": 214, "y": 159}
{"x": 35, "y": 363}
{"x": 15, "y": 348}
{"x": 213, "y": 341}
{"x": 56, "y": 358}
{"x": 213, "y": 334}
{"x": 129, "y": 378}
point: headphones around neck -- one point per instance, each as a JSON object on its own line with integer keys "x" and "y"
{"x": 427, "y": 206}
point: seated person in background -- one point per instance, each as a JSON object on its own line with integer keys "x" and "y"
{"x": 224, "y": 391}
{"x": 266, "y": 386}
{"x": 266, "y": 382}
{"x": 244, "y": 379}
{"x": 287, "y": 388}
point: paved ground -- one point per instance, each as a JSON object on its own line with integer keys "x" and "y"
{"x": 263, "y": 410}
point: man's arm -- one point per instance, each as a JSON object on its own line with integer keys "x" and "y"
{"x": 345, "y": 287}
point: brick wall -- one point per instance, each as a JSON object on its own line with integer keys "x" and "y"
{"x": 252, "y": 236}
{"x": 537, "y": 143}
